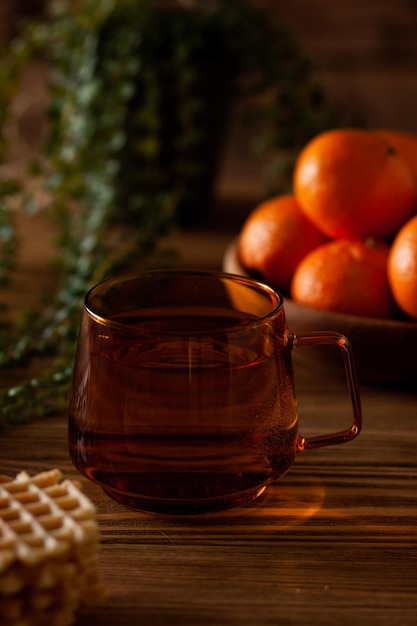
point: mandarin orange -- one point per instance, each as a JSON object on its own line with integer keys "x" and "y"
{"x": 402, "y": 268}
{"x": 352, "y": 184}
{"x": 273, "y": 239}
{"x": 345, "y": 276}
{"x": 405, "y": 143}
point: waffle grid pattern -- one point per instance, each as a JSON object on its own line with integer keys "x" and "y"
{"x": 48, "y": 550}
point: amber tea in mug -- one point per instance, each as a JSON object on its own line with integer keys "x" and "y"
{"x": 183, "y": 395}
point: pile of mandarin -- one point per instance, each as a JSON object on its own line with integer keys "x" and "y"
{"x": 345, "y": 240}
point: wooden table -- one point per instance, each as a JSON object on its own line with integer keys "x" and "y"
{"x": 332, "y": 543}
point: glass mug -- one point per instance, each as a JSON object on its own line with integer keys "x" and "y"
{"x": 183, "y": 395}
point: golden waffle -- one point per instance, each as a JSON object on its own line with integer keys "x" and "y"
{"x": 48, "y": 550}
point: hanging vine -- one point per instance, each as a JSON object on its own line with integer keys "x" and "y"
{"x": 128, "y": 125}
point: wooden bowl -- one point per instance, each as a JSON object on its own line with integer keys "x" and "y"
{"x": 385, "y": 351}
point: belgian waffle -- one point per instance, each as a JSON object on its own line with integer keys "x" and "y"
{"x": 48, "y": 550}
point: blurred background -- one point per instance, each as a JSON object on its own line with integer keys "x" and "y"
{"x": 364, "y": 54}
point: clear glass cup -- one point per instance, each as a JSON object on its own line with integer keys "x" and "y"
{"x": 183, "y": 395}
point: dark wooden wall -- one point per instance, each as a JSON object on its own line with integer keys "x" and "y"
{"x": 364, "y": 53}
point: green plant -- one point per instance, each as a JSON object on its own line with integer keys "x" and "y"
{"x": 129, "y": 120}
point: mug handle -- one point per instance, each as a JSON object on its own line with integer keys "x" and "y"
{"x": 331, "y": 338}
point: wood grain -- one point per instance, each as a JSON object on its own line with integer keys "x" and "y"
{"x": 335, "y": 541}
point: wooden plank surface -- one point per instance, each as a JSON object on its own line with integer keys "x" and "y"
{"x": 335, "y": 541}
